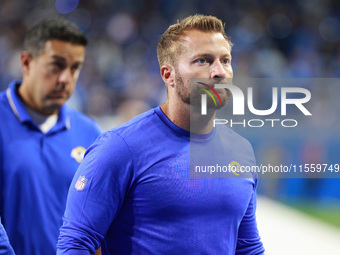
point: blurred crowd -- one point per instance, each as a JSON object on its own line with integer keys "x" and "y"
{"x": 299, "y": 38}
{"x": 272, "y": 38}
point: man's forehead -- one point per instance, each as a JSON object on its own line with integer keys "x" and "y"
{"x": 64, "y": 49}
{"x": 195, "y": 40}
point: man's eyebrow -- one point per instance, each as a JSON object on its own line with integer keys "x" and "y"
{"x": 63, "y": 60}
{"x": 205, "y": 55}
{"x": 58, "y": 58}
{"x": 227, "y": 55}
{"x": 208, "y": 55}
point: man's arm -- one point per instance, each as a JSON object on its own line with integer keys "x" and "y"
{"x": 96, "y": 195}
{"x": 5, "y": 247}
{"x": 248, "y": 240}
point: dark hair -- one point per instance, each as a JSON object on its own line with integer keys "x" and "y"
{"x": 52, "y": 29}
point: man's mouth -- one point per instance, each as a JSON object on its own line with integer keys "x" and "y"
{"x": 213, "y": 82}
{"x": 58, "y": 95}
{"x": 210, "y": 88}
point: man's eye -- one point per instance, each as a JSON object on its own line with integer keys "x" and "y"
{"x": 201, "y": 61}
{"x": 55, "y": 67}
{"x": 74, "y": 69}
{"x": 226, "y": 61}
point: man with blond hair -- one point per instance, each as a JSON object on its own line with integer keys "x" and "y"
{"x": 133, "y": 193}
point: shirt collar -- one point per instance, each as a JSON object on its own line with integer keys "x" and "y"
{"x": 15, "y": 102}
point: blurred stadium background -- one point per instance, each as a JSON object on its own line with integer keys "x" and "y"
{"x": 285, "y": 39}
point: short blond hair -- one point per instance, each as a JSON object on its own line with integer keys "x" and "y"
{"x": 169, "y": 47}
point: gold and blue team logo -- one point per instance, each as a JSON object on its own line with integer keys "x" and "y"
{"x": 78, "y": 153}
{"x": 235, "y": 168}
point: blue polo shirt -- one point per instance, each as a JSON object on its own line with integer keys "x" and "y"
{"x": 36, "y": 170}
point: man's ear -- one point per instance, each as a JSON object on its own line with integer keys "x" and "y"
{"x": 168, "y": 75}
{"x": 25, "y": 59}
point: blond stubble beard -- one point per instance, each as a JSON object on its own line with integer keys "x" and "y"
{"x": 184, "y": 94}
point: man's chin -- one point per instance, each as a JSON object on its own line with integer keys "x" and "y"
{"x": 53, "y": 107}
{"x": 218, "y": 105}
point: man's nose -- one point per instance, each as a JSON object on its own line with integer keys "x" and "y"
{"x": 220, "y": 71}
{"x": 65, "y": 76}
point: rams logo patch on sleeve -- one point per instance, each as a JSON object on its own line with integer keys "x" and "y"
{"x": 78, "y": 153}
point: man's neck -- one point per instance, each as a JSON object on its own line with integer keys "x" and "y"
{"x": 188, "y": 117}
{"x": 44, "y": 122}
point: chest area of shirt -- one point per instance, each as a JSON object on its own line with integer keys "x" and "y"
{"x": 33, "y": 154}
{"x": 167, "y": 188}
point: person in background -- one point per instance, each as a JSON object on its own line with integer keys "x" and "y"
{"x": 133, "y": 193}
{"x": 42, "y": 140}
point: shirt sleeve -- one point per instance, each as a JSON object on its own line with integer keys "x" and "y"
{"x": 5, "y": 247}
{"x": 248, "y": 240}
{"x": 95, "y": 195}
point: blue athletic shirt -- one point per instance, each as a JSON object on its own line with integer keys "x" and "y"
{"x": 133, "y": 194}
{"x": 36, "y": 170}
{"x": 5, "y": 246}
